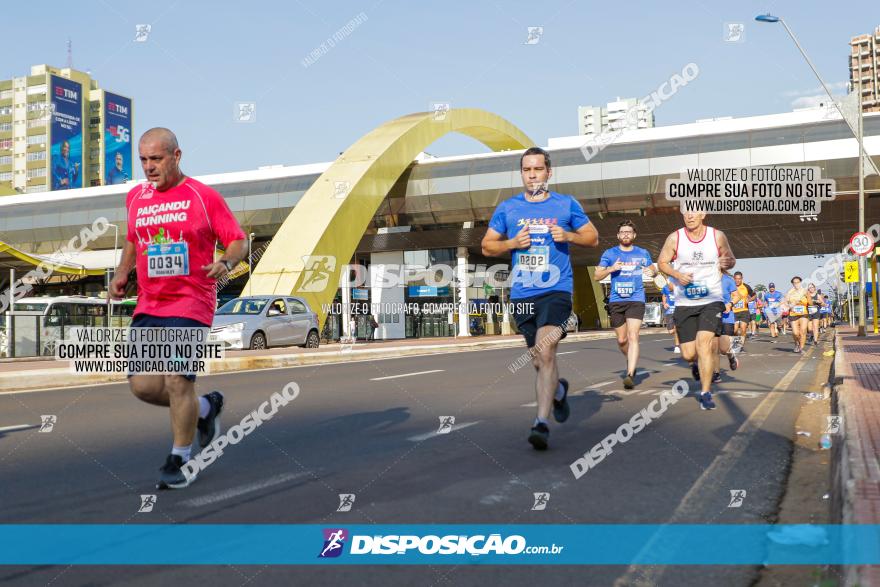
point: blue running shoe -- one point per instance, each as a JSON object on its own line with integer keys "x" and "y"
{"x": 706, "y": 402}
{"x": 561, "y": 409}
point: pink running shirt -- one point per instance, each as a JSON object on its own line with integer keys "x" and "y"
{"x": 190, "y": 213}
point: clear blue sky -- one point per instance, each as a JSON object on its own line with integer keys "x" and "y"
{"x": 202, "y": 57}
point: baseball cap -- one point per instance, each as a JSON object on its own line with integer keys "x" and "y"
{"x": 771, "y": 285}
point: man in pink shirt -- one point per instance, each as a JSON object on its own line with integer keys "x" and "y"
{"x": 174, "y": 223}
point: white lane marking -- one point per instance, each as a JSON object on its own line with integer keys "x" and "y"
{"x": 18, "y": 427}
{"x": 339, "y": 361}
{"x": 624, "y": 391}
{"x": 567, "y": 353}
{"x": 455, "y": 427}
{"x": 670, "y": 364}
{"x": 706, "y": 486}
{"x": 407, "y": 375}
{"x": 242, "y": 489}
{"x": 574, "y": 393}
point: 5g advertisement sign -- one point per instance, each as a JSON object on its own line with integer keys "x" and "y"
{"x": 117, "y": 139}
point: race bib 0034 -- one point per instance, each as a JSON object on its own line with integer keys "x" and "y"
{"x": 168, "y": 260}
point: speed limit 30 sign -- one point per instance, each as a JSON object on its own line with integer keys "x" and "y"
{"x": 861, "y": 243}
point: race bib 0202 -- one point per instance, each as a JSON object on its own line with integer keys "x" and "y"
{"x": 536, "y": 259}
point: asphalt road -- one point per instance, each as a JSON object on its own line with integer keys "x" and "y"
{"x": 369, "y": 428}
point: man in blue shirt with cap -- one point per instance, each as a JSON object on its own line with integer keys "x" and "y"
{"x": 773, "y": 309}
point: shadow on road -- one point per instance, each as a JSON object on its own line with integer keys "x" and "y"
{"x": 369, "y": 421}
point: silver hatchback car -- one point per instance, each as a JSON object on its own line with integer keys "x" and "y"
{"x": 259, "y": 322}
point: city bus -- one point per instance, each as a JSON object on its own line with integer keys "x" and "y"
{"x": 35, "y": 323}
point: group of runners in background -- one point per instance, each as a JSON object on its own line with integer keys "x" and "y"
{"x": 709, "y": 311}
{"x": 805, "y": 312}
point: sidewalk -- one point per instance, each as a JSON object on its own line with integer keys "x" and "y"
{"x": 857, "y": 469}
{"x": 23, "y": 374}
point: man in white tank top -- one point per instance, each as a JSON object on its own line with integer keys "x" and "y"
{"x": 693, "y": 258}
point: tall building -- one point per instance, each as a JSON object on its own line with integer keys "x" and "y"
{"x": 593, "y": 120}
{"x": 59, "y": 130}
{"x": 864, "y": 67}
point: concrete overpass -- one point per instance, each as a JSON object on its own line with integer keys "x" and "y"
{"x": 445, "y": 203}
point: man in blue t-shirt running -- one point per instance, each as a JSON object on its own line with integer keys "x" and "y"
{"x": 825, "y": 312}
{"x": 773, "y": 310}
{"x": 729, "y": 295}
{"x": 626, "y": 264}
{"x": 536, "y": 227}
{"x": 669, "y": 315}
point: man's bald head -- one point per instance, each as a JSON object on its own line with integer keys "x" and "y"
{"x": 160, "y": 158}
{"x": 163, "y": 137}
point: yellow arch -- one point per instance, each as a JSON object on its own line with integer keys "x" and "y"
{"x": 327, "y": 224}
{"x": 54, "y": 267}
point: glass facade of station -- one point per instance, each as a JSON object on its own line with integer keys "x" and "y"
{"x": 437, "y": 208}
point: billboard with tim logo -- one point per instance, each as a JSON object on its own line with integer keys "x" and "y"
{"x": 66, "y": 136}
{"x": 117, "y": 139}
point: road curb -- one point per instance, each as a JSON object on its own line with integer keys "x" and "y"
{"x": 52, "y": 378}
{"x": 856, "y": 472}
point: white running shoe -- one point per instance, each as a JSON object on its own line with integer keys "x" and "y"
{"x": 677, "y": 350}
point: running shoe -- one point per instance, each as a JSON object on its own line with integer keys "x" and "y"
{"x": 677, "y": 350}
{"x": 706, "y": 402}
{"x": 171, "y": 476}
{"x": 797, "y": 349}
{"x": 734, "y": 362}
{"x": 539, "y": 436}
{"x": 561, "y": 409}
{"x": 209, "y": 426}
{"x": 716, "y": 378}
{"x": 628, "y": 382}
{"x": 695, "y": 370}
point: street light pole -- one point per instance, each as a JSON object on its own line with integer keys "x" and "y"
{"x": 861, "y": 329}
{"x": 863, "y": 155}
{"x": 109, "y": 274}
{"x": 250, "y": 262}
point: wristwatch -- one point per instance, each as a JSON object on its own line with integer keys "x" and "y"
{"x": 229, "y": 266}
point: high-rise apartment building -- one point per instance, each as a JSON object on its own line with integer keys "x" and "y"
{"x": 593, "y": 120}
{"x": 864, "y": 69}
{"x": 59, "y": 130}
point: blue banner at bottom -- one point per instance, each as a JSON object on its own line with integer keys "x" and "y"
{"x": 530, "y": 544}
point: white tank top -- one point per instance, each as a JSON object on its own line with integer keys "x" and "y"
{"x": 701, "y": 260}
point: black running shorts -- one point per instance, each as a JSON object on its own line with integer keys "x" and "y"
{"x": 691, "y": 319}
{"x": 550, "y": 309}
{"x": 620, "y": 312}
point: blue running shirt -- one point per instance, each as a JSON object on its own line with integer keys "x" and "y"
{"x": 546, "y": 266}
{"x": 626, "y": 284}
